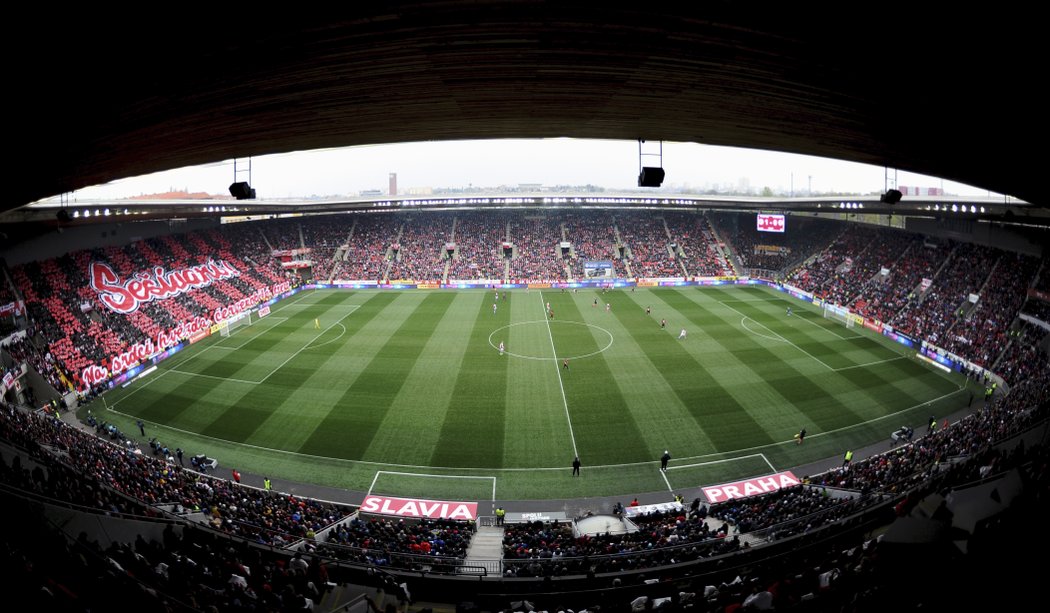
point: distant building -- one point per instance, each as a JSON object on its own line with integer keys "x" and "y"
{"x": 370, "y": 193}
{"x": 922, "y": 191}
{"x": 393, "y": 184}
{"x": 181, "y": 195}
{"x": 420, "y": 191}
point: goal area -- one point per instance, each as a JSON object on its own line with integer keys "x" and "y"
{"x": 839, "y": 314}
{"x": 231, "y": 325}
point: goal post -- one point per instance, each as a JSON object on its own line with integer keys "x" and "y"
{"x": 839, "y": 314}
{"x": 231, "y": 325}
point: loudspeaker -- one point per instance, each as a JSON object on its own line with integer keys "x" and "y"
{"x": 242, "y": 191}
{"x": 651, "y": 176}
{"x": 892, "y": 196}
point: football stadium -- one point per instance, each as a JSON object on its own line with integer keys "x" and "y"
{"x": 532, "y": 398}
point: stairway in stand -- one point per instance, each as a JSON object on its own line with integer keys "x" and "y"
{"x": 486, "y": 549}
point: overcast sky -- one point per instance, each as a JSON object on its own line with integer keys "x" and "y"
{"x": 560, "y": 161}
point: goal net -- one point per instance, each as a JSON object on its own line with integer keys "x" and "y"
{"x": 231, "y": 325}
{"x": 839, "y": 314}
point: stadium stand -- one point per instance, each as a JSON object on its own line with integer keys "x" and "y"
{"x": 422, "y": 241}
{"x": 106, "y": 472}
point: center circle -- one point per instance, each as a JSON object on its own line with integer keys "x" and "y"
{"x": 551, "y": 325}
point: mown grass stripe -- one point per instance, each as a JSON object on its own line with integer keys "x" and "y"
{"x": 536, "y": 431}
{"x": 348, "y": 428}
{"x": 254, "y": 407}
{"x": 884, "y": 392}
{"x": 605, "y": 428}
{"x": 834, "y": 351}
{"x": 801, "y": 391}
{"x": 409, "y": 432}
{"x": 670, "y": 423}
{"x": 266, "y": 351}
{"x": 473, "y": 429}
{"x": 725, "y": 422}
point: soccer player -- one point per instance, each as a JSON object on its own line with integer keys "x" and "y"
{"x": 493, "y": 308}
{"x": 607, "y": 307}
{"x": 648, "y": 310}
{"x": 501, "y": 347}
{"x": 681, "y": 335}
{"x": 595, "y": 302}
{"x": 663, "y": 324}
{"x": 317, "y": 324}
{"x": 565, "y": 364}
{"x": 800, "y": 436}
{"x": 789, "y": 311}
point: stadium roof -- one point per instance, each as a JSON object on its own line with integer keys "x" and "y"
{"x": 94, "y": 99}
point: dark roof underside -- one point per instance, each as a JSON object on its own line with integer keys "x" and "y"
{"x": 95, "y": 98}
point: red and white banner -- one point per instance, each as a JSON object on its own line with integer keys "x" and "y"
{"x": 194, "y": 329}
{"x": 408, "y": 507}
{"x": 770, "y": 223}
{"x": 278, "y": 253}
{"x": 126, "y": 296}
{"x": 751, "y": 487}
{"x": 144, "y": 350}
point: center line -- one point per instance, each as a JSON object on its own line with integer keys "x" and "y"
{"x": 557, "y": 367}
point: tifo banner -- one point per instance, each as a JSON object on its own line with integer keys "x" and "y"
{"x": 125, "y": 296}
{"x": 408, "y": 507}
{"x": 193, "y": 329}
{"x": 751, "y": 487}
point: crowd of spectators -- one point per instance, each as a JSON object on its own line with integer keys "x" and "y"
{"x": 937, "y": 312}
{"x": 421, "y": 249}
{"x": 177, "y": 570}
{"x": 282, "y": 233}
{"x": 1037, "y": 308}
{"x": 883, "y": 298}
{"x": 537, "y": 549}
{"x": 792, "y": 510}
{"x": 325, "y": 236}
{"x": 1026, "y": 355}
{"x": 540, "y": 549}
{"x": 366, "y": 255}
{"x": 771, "y": 251}
{"x": 645, "y": 235}
{"x": 697, "y": 242}
{"x": 984, "y": 335}
{"x": 119, "y": 477}
{"x": 904, "y": 467}
{"x": 479, "y": 237}
{"x": 378, "y": 541}
{"x": 593, "y": 238}
{"x": 75, "y": 329}
{"x": 537, "y": 254}
{"x": 24, "y": 349}
{"x": 832, "y": 275}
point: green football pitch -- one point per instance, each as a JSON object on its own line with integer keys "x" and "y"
{"x": 406, "y": 392}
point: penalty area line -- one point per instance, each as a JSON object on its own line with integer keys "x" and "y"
{"x": 407, "y": 474}
{"x": 664, "y": 475}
